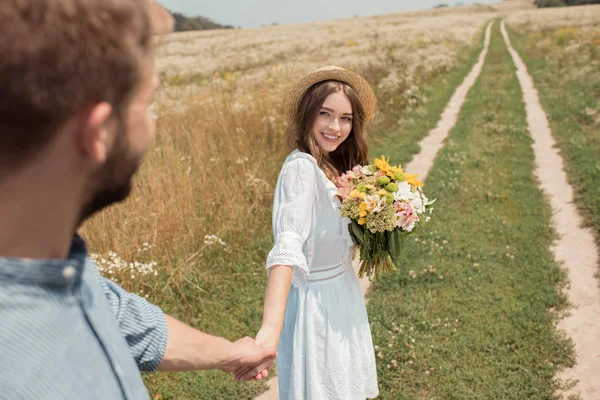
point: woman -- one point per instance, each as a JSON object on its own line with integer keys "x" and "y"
{"x": 319, "y": 323}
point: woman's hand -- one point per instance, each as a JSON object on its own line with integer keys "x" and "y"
{"x": 266, "y": 338}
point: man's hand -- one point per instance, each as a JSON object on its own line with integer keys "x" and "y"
{"x": 189, "y": 349}
{"x": 248, "y": 360}
{"x": 266, "y": 338}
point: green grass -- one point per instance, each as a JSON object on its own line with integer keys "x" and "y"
{"x": 229, "y": 301}
{"x": 569, "y": 89}
{"x": 402, "y": 144}
{"x": 475, "y": 321}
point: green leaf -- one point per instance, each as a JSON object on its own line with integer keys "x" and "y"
{"x": 357, "y": 230}
{"x": 393, "y": 244}
{"x": 396, "y": 242}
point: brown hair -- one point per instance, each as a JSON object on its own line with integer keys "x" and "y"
{"x": 353, "y": 151}
{"x": 60, "y": 56}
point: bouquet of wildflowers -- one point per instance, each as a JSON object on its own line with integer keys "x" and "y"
{"x": 384, "y": 205}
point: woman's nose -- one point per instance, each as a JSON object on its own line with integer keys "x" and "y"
{"x": 334, "y": 125}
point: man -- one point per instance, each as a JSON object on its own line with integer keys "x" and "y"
{"x": 76, "y": 78}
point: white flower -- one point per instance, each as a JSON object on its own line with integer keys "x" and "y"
{"x": 417, "y": 204}
{"x": 366, "y": 170}
{"x": 403, "y": 193}
{"x": 375, "y": 203}
{"x": 212, "y": 239}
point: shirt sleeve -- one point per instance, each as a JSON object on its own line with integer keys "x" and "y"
{"x": 292, "y": 218}
{"x": 143, "y": 325}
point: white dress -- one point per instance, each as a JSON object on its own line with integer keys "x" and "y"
{"x": 325, "y": 349}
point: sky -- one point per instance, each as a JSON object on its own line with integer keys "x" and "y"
{"x": 255, "y": 13}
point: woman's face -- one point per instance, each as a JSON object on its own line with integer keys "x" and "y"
{"x": 333, "y": 123}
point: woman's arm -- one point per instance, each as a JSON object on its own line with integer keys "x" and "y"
{"x": 278, "y": 288}
{"x": 286, "y": 263}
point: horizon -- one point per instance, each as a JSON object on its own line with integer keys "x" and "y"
{"x": 245, "y": 15}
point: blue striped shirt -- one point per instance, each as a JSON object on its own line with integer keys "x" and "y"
{"x": 68, "y": 333}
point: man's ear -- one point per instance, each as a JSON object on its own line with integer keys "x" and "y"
{"x": 93, "y": 136}
{"x": 162, "y": 20}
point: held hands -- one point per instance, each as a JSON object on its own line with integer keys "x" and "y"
{"x": 248, "y": 360}
{"x": 267, "y": 341}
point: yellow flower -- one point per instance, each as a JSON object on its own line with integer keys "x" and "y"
{"x": 356, "y": 194}
{"x": 364, "y": 210}
{"x": 412, "y": 179}
{"x": 362, "y": 221}
{"x": 384, "y": 166}
{"x": 382, "y": 192}
{"x": 396, "y": 169}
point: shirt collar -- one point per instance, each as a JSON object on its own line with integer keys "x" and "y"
{"x": 52, "y": 272}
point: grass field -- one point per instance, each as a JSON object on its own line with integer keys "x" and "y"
{"x": 472, "y": 314}
{"x": 473, "y": 320}
{"x": 562, "y": 51}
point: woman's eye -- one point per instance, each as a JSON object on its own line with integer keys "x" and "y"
{"x": 347, "y": 119}
{"x": 325, "y": 113}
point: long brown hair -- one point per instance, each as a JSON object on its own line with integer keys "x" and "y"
{"x": 353, "y": 151}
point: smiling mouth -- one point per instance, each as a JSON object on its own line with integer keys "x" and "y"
{"x": 330, "y": 138}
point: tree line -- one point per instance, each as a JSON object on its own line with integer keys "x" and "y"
{"x": 563, "y": 3}
{"x": 184, "y": 23}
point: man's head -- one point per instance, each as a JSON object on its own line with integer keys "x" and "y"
{"x": 76, "y": 77}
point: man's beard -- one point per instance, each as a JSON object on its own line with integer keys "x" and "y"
{"x": 112, "y": 183}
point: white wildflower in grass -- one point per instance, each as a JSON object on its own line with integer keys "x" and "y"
{"x": 257, "y": 183}
{"x": 113, "y": 264}
{"x": 210, "y": 240}
{"x": 144, "y": 248}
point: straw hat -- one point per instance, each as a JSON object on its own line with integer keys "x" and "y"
{"x": 354, "y": 80}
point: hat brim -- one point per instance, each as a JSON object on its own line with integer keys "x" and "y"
{"x": 358, "y": 83}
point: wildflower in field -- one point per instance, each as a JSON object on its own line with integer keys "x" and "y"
{"x": 112, "y": 264}
{"x": 210, "y": 240}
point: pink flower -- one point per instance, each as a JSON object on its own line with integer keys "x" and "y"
{"x": 406, "y": 217}
{"x": 344, "y": 192}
